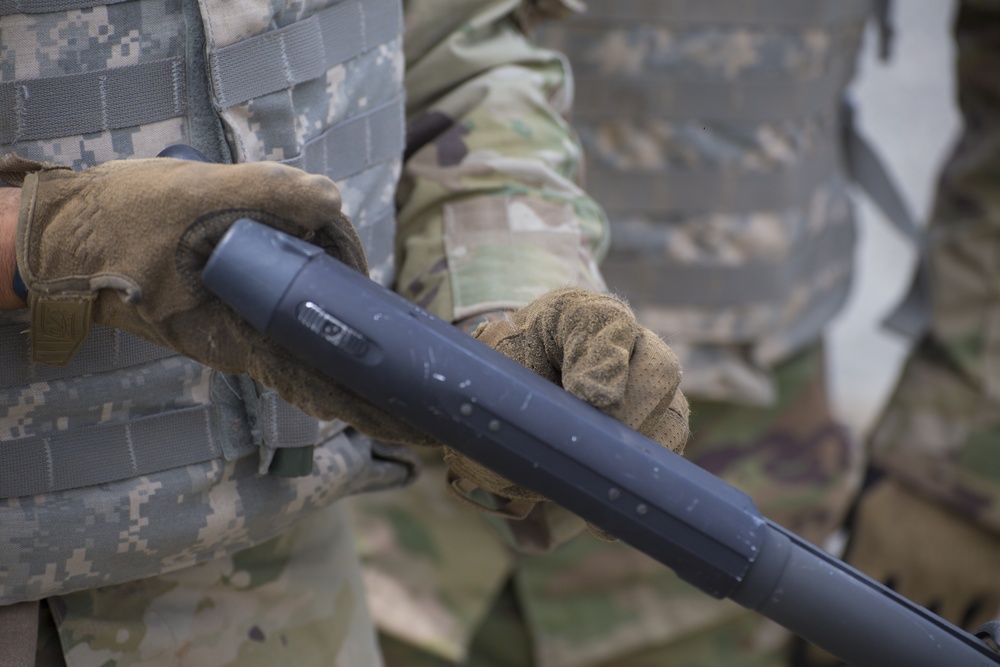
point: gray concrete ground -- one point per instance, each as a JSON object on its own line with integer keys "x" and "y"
{"x": 907, "y": 111}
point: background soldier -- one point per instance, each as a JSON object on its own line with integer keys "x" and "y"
{"x": 927, "y": 521}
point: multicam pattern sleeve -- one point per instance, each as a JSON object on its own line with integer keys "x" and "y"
{"x": 490, "y": 211}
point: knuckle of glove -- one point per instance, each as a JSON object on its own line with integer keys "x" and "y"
{"x": 581, "y": 339}
{"x": 606, "y": 358}
{"x": 593, "y": 346}
{"x": 132, "y": 237}
{"x": 653, "y": 403}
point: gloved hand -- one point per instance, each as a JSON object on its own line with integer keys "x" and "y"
{"x": 593, "y": 346}
{"x": 123, "y": 245}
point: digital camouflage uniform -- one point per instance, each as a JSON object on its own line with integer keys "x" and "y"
{"x": 716, "y": 145}
{"x": 209, "y": 560}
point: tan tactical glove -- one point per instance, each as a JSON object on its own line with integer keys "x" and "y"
{"x": 123, "y": 244}
{"x": 591, "y": 344}
{"x": 927, "y": 553}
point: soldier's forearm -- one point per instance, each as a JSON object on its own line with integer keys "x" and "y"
{"x": 10, "y": 201}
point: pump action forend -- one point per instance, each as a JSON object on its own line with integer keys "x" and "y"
{"x": 534, "y": 433}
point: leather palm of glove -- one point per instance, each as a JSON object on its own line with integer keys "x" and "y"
{"x": 123, "y": 244}
{"x": 592, "y": 345}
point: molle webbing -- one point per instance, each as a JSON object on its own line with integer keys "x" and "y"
{"x": 356, "y": 144}
{"x": 718, "y": 285}
{"x": 8, "y": 7}
{"x": 108, "y": 453}
{"x": 707, "y": 190}
{"x": 770, "y": 13}
{"x": 134, "y": 95}
{"x": 81, "y": 456}
{"x": 359, "y": 147}
{"x": 713, "y": 131}
{"x": 103, "y": 351}
{"x": 98, "y": 101}
{"x": 599, "y": 96}
{"x": 105, "y": 453}
{"x": 301, "y": 51}
{"x": 78, "y": 457}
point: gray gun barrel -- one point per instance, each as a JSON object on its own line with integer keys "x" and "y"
{"x": 534, "y": 433}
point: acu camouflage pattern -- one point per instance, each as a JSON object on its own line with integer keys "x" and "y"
{"x": 280, "y": 124}
{"x": 294, "y": 599}
{"x": 712, "y": 139}
{"x": 272, "y": 126}
{"x": 188, "y": 514}
{"x": 35, "y": 46}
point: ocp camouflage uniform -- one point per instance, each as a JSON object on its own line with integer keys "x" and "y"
{"x": 715, "y": 140}
{"x": 929, "y": 522}
{"x": 138, "y": 502}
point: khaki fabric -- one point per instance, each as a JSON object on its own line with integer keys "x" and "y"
{"x": 928, "y": 554}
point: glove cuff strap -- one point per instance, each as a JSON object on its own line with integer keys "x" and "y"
{"x": 59, "y": 325}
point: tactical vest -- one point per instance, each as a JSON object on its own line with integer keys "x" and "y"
{"x": 132, "y": 460}
{"x": 714, "y": 136}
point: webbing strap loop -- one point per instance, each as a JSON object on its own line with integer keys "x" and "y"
{"x": 109, "y": 99}
{"x": 301, "y": 51}
{"x": 8, "y": 7}
{"x": 695, "y": 191}
{"x": 868, "y": 171}
{"x": 355, "y": 144}
{"x": 104, "y": 350}
{"x": 600, "y": 96}
{"x": 107, "y": 452}
{"x": 718, "y": 286}
{"x": 912, "y": 317}
{"x": 769, "y": 13}
{"x": 281, "y": 425}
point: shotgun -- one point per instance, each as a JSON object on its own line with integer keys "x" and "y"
{"x": 534, "y": 433}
